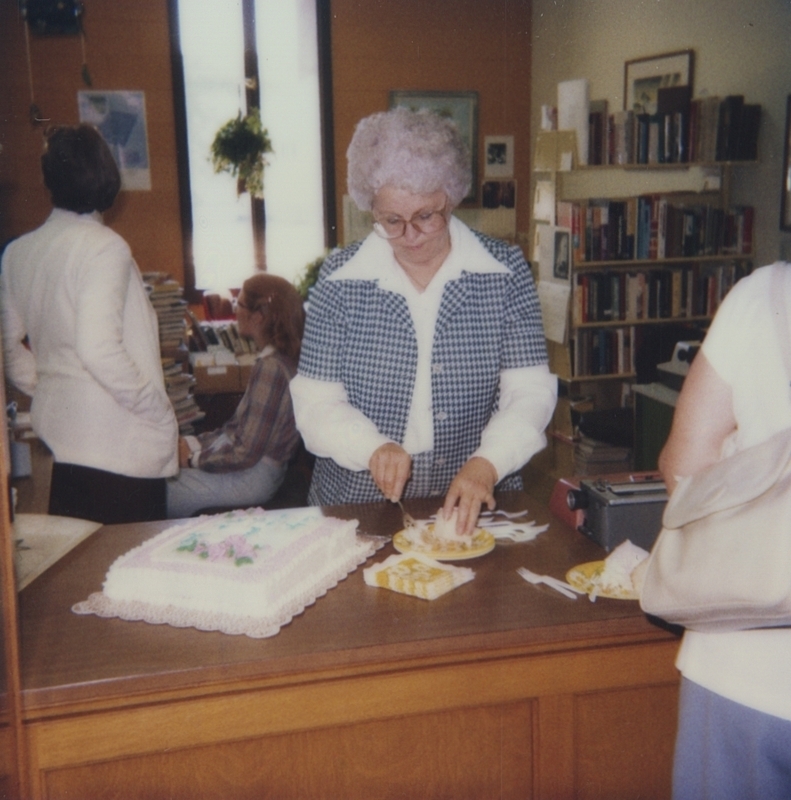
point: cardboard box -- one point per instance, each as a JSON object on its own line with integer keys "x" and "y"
{"x": 214, "y": 379}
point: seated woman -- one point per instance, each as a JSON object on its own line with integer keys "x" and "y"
{"x": 243, "y": 463}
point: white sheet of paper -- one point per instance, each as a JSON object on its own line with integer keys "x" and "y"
{"x": 544, "y": 203}
{"x": 554, "y": 298}
{"x": 573, "y": 112}
{"x": 544, "y": 254}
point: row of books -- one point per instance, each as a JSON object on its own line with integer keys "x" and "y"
{"x": 705, "y": 130}
{"x": 669, "y": 293}
{"x": 653, "y": 227}
{"x": 179, "y": 386}
{"x": 207, "y": 335}
{"x": 604, "y": 351}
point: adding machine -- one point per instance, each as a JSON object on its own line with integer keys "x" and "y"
{"x": 612, "y": 508}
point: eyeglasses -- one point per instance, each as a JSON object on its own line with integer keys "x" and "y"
{"x": 423, "y": 222}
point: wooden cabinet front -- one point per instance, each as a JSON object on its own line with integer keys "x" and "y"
{"x": 498, "y": 689}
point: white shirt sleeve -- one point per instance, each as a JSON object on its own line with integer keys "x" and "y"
{"x": 330, "y": 426}
{"x": 20, "y": 364}
{"x": 515, "y": 433}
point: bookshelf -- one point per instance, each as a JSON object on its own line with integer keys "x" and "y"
{"x": 652, "y": 246}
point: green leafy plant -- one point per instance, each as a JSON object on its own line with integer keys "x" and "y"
{"x": 309, "y": 276}
{"x": 239, "y": 148}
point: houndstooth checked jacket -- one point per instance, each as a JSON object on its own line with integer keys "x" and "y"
{"x": 363, "y": 336}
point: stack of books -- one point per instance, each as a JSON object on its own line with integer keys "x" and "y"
{"x": 179, "y": 386}
{"x": 592, "y": 457}
{"x": 167, "y": 298}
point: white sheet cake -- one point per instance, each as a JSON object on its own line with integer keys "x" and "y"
{"x": 240, "y": 572}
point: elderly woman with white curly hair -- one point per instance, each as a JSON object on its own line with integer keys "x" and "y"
{"x": 424, "y": 368}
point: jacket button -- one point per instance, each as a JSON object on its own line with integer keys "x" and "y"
{"x": 436, "y": 368}
{"x": 442, "y": 416}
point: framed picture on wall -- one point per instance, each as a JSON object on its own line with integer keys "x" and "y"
{"x": 461, "y": 107}
{"x": 644, "y": 77}
{"x": 120, "y": 117}
{"x": 785, "y": 193}
{"x": 498, "y": 157}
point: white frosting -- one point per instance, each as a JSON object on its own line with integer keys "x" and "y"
{"x": 619, "y": 565}
{"x": 445, "y": 529}
{"x": 245, "y": 563}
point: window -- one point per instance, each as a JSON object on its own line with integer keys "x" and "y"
{"x": 209, "y": 39}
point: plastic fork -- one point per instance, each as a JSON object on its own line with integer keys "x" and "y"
{"x": 553, "y": 583}
{"x": 407, "y": 519}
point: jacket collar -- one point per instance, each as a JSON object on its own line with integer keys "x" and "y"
{"x": 374, "y": 261}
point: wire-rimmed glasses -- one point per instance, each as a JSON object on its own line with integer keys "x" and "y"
{"x": 392, "y": 227}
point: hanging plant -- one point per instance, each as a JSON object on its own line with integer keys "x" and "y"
{"x": 239, "y": 147}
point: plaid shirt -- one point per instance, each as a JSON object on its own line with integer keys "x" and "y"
{"x": 263, "y": 424}
{"x": 363, "y": 337}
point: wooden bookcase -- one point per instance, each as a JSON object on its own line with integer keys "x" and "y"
{"x": 653, "y": 246}
{"x": 628, "y": 306}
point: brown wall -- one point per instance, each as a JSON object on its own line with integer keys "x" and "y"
{"x": 127, "y": 48}
{"x": 377, "y": 45}
{"x": 438, "y": 45}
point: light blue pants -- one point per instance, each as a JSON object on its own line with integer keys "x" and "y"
{"x": 193, "y": 489}
{"x": 727, "y": 751}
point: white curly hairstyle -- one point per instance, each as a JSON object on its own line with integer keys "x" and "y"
{"x": 419, "y": 151}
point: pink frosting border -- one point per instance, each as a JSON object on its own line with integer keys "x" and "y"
{"x": 254, "y": 627}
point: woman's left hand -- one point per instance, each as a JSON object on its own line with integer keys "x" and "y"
{"x": 470, "y": 489}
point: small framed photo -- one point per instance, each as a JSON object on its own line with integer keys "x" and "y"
{"x": 461, "y": 107}
{"x": 498, "y": 157}
{"x": 644, "y": 77}
{"x": 785, "y": 194}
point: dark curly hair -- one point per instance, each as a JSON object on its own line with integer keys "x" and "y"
{"x": 79, "y": 169}
{"x": 281, "y": 307}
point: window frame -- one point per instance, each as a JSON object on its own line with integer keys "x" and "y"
{"x": 193, "y": 294}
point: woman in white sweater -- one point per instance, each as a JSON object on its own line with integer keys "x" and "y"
{"x": 81, "y": 338}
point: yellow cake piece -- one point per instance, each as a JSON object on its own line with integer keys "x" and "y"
{"x": 417, "y": 575}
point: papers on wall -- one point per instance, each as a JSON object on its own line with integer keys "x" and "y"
{"x": 573, "y": 112}
{"x": 554, "y": 284}
{"x": 555, "y": 151}
{"x": 554, "y": 299}
{"x": 544, "y": 202}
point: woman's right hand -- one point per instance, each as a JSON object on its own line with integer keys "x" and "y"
{"x": 184, "y": 452}
{"x": 391, "y": 467}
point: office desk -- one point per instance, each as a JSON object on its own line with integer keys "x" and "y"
{"x": 498, "y": 689}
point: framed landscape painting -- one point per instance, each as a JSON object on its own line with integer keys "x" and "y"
{"x": 461, "y": 107}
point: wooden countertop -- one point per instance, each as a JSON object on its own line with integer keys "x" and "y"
{"x": 93, "y": 663}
